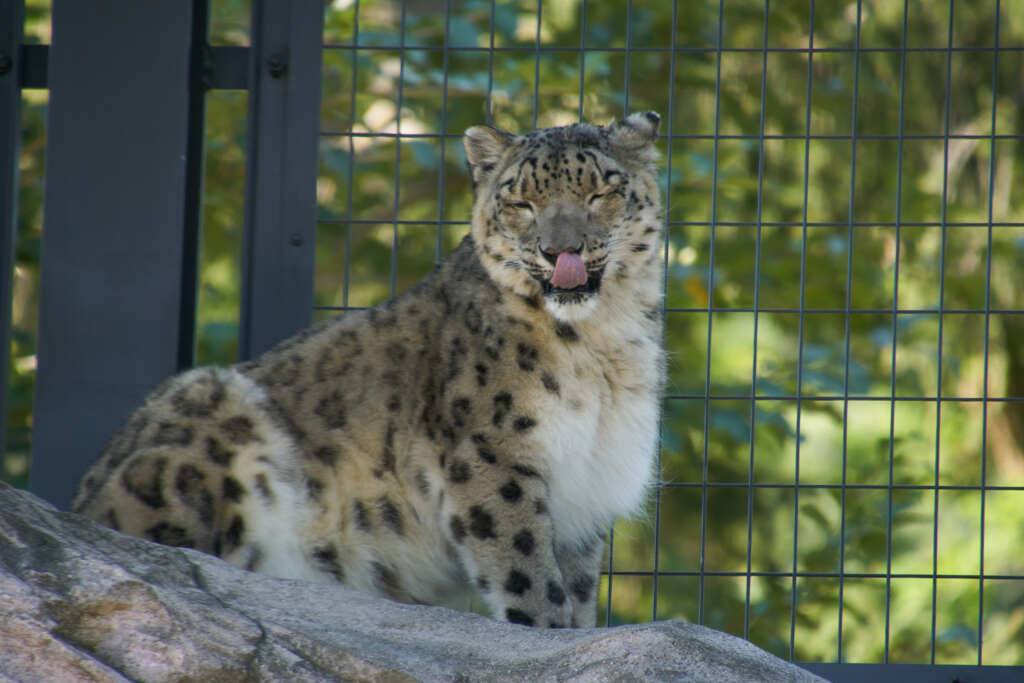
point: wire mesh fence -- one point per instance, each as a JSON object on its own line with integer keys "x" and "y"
{"x": 842, "y": 461}
{"x": 842, "y": 477}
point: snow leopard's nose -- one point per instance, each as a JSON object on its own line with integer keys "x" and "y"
{"x": 563, "y": 227}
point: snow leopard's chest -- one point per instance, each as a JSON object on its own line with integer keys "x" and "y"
{"x": 601, "y": 444}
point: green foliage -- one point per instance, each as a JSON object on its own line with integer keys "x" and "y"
{"x": 772, "y": 469}
{"x": 14, "y": 466}
{"x": 764, "y": 257}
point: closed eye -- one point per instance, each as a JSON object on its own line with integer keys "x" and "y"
{"x": 601, "y": 195}
{"x": 520, "y": 205}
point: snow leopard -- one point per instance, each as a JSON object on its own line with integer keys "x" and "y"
{"x": 475, "y": 435}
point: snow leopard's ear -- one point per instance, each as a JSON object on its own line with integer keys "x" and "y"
{"x": 484, "y": 147}
{"x": 633, "y": 137}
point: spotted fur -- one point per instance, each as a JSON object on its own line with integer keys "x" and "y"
{"x": 478, "y": 433}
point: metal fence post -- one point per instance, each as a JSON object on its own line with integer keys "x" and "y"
{"x": 280, "y": 224}
{"x": 114, "y": 240}
{"x": 12, "y": 19}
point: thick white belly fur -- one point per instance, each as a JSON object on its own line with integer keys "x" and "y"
{"x": 602, "y": 463}
{"x": 602, "y": 455}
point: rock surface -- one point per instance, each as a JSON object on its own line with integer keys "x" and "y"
{"x": 81, "y": 602}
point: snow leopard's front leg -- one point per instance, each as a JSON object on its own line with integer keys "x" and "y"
{"x": 497, "y": 517}
{"x": 580, "y": 563}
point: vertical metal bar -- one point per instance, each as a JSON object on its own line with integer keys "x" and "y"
{"x": 711, "y": 298}
{"x": 443, "y": 140}
{"x": 113, "y": 243}
{"x": 583, "y": 54}
{"x": 942, "y": 303}
{"x": 664, "y": 290}
{"x": 193, "y": 183}
{"x": 12, "y": 21}
{"x": 849, "y": 324}
{"x": 629, "y": 48}
{"x": 895, "y": 335}
{"x": 800, "y": 334}
{"x": 397, "y": 178}
{"x": 490, "y": 69}
{"x": 611, "y": 530}
{"x": 351, "y": 157}
{"x": 279, "y": 245}
{"x": 536, "y": 64}
{"x": 988, "y": 317}
{"x": 757, "y": 296}
{"x": 611, "y": 554}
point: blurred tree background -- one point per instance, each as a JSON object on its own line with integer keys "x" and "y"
{"x": 848, "y": 214}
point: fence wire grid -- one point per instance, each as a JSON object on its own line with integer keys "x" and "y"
{"x": 842, "y": 452}
{"x": 830, "y": 488}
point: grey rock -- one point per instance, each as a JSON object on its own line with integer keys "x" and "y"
{"x": 81, "y": 602}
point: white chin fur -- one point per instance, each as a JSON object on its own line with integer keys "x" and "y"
{"x": 571, "y": 313}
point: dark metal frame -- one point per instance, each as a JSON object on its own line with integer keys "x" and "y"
{"x": 115, "y": 237}
{"x": 282, "y": 73}
{"x": 280, "y": 220}
{"x": 123, "y": 201}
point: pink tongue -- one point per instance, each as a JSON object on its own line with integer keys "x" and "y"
{"x": 569, "y": 271}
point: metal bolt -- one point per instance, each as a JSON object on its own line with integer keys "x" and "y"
{"x": 6, "y": 64}
{"x": 277, "y": 66}
{"x": 296, "y": 240}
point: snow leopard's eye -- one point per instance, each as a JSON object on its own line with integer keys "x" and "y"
{"x": 605, "y": 192}
{"x": 524, "y": 207}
